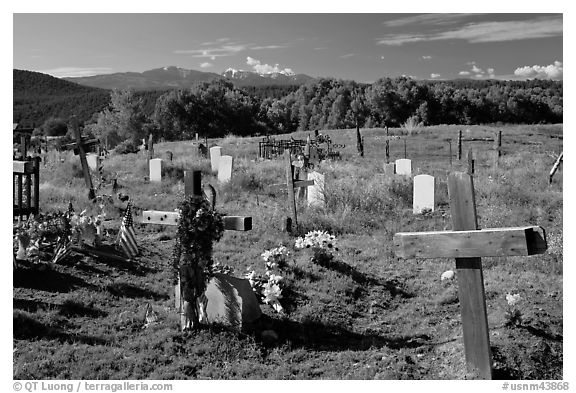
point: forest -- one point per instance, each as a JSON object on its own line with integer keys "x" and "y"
{"x": 218, "y": 108}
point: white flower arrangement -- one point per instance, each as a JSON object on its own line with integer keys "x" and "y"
{"x": 513, "y": 315}
{"x": 275, "y": 257}
{"x": 316, "y": 239}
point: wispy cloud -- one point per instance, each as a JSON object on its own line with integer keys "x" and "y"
{"x": 268, "y": 47}
{"x": 541, "y": 27}
{"x": 478, "y": 72}
{"x": 426, "y": 57}
{"x": 428, "y": 19}
{"x": 321, "y": 48}
{"x": 63, "y": 72}
{"x": 464, "y": 73}
{"x": 552, "y": 71}
{"x": 206, "y": 65}
{"x": 260, "y": 68}
{"x": 213, "y": 53}
{"x": 434, "y": 76}
{"x": 347, "y": 55}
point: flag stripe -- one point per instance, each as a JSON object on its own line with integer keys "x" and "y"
{"x": 126, "y": 236}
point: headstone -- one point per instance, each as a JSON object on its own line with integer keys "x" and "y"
{"x": 92, "y": 160}
{"x": 215, "y": 153}
{"x": 404, "y": 167}
{"x": 314, "y": 156}
{"x": 229, "y": 301}
{"x": 423, "y": 193}
{"x": 225, "y": 169}
{"x": 169, "y": 155}
{"x": 156, "y": 170}
{"x": 389, "y": 169}
{"x": 316, "y": 192}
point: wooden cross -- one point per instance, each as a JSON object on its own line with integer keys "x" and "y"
{"x": 291, "y": 185}
{"x": 80, "y": 147}
{"x": 193, "y": 186}
{"x": 468, "y": 244}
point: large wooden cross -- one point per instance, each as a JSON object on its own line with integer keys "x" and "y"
{"x": 193, "y": 186}
{"x": 291, "y": 185}
{"x": 468, "y": 244}
{"x": 80, "y": 147}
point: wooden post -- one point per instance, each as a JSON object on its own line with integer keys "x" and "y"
{"x": 450, "y": 152}
{"x": 470, "y": 163}
{"x": 82, "y": 154}
{"x": 405, "y": 155}
{"x": 150, "y": 151}
{"x": 555, "y": 167}
{"x": 359, "y": 143}
{"x": 467, "y": 244}
{"x": 290, "y": 186}
{"x": 460, "y": 145}
{"x": 387, "y": 147}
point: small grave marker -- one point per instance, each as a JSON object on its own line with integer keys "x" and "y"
{"x": 215, "y": 153}
{"x": 389, "y": 169}
{"x": 93, "y": 161}
{"x": 423, "y": 195}
{"x": 316, "y": 191}
{"x": 80, "y": 148}
{"x": 225, "y": 169}
{"x": 467, "y": 245}
{"x": 156, "y": 170}
{"x": 404, "y": 167}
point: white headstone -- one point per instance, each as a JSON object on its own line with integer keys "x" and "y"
{"x": 316, "y": 192}
{"x": 156, "y": 169}
{"x": 92, "y": 160}
{"x": 404, "y": 167}
{"x": 389, "y": 169}
{"x": 215, "y": 153}
{"x": 423, "y": 193}
{"x": 225, "y": 169}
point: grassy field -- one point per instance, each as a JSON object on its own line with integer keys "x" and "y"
{"x": 369, "y": 315}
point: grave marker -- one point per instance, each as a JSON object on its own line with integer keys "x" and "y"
{"x": 80, "y": 148}
{"x": 215, "y": 153}
{"x": 467, "y": 245}
{"x": 316, "y": 191}
{"x": 218, "y": 305}
{"x": 423, "y": 194}
{"x": 404, "y": 167}
{"x": 156, "y": 170}
{"x": 93, "y": 161}
{"x": 389, "y": 169}
{"x": 225, "y": 169}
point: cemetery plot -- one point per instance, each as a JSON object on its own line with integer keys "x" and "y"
{"x": 354, "y": 310}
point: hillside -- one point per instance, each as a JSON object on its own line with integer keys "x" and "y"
{"x": 38, "y": 97}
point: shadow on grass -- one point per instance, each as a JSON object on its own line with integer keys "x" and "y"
{"x": 392, "y": 286}
{"x": 324, "y": 337}
{"x": 542, "y": 333}
{"x": 122, "y": 289}
{"x": 27, "y": 328}
{"x": 47, "y": 279}
{"x": 69, "y": 308}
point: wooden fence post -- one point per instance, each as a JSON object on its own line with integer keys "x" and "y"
{"x": 460, "y": 145}
{"x": 290, "y": 185}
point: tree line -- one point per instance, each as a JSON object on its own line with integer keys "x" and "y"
{"x": 218, "y": 108}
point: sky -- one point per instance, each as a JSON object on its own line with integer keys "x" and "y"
{"x": 347, "y": 45}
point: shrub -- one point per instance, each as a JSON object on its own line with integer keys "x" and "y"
{"x": 128, "y": 146}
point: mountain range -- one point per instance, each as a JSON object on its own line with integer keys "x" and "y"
{"x": 178, "y": 78}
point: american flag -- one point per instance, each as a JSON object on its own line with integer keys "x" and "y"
{"x": 62, "y": 251}
{"x": 126, "y": 236}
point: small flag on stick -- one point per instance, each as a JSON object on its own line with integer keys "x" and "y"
{"x": 126, "y": 236}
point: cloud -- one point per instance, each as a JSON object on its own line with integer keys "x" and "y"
{"x": 477, "y": 69}
{"x": 434, "y": 76}
{"x": 72, "y": 72}
{"x": 321, "y": 48}
{"x": 260, "y": 68}
{"x": 206, "y": 65}
{"x": 552, "y": 71}
{"x": 268, "y": 47}
{"x": 429, "y": 19}
{"x": 347, "y": 55}
{"x": 426, "y": 57}
{"x": 214, "y": 52}
{"x": 464, "y": 73}
{"x": 382, "y": 57}
{"x": 540, "y": 27}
